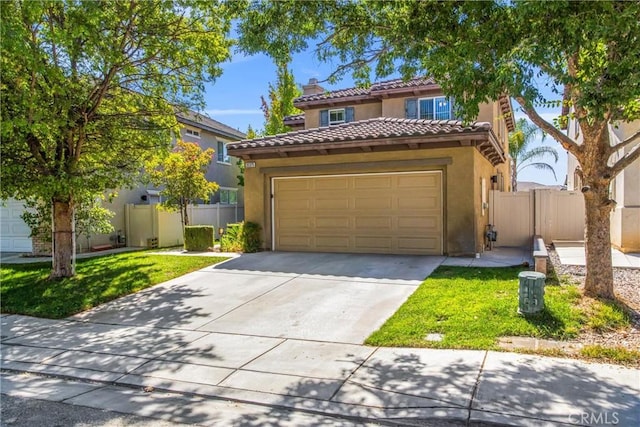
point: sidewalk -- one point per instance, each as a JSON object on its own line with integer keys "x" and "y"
{"x": 572, "y": 253}
{"x": 166, "y": 374}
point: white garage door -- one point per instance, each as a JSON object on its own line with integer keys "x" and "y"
{"x": 14, "y": 233}
{"x": 394, "y": 213}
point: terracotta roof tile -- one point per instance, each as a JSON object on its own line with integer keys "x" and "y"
{"x": 375, "y": 88}
{"x": 341, "y": 93}
{"x": 294, "y": 118}
{"x": 371, "y": 129}
{"x": 399, "y": 83}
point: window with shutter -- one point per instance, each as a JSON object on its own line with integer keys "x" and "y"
{"x": 324, "y": 118}
{"x": 411, "y": 108}
{"x": 349, "y": 114}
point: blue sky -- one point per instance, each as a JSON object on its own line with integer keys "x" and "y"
{"x": 234, "y": 99}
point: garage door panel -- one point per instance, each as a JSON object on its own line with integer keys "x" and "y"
{"x": 295, "y": 241}
{"x": 376, "y": 213}
{"x": 333, "y": 222}
{"x": 295, "y": 185}
{"x": 295, "y": 222}
{"x": 375, "y": 243}
{"x": 14, "y": 233}
{"x": 373, "y": 222}
{"x": 332, "y": 242}
{"x": 373, "y": 203}
{"x": 332, "y": 204}
{"x": 424, "y": 181}
{"x": 372, "y": 182}
{"x": 331, "y": 184}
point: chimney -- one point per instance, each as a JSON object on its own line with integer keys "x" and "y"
{"x": 312, "y": 88}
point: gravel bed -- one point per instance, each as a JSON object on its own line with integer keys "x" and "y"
{"x": 627, "y": 289}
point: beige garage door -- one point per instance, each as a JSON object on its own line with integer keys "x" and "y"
{"x": 394, "y": 213}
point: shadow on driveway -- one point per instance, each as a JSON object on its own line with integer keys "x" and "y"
{"x": 409, "y": 268}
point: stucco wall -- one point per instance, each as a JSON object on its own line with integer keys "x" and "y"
{"x": 457, "y": 164}
{"x": 369, "y": 110}
{"x": 482, "y": 171}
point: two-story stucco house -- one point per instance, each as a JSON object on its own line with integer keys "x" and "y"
{"x": 384, "y": 169}
{"x": 206, "y": 132}
{"x": 625, "y": 218}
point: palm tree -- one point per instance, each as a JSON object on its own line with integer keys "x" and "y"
{"x": 522, "y": 157}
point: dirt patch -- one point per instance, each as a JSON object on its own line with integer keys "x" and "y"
{"x": 627, "y": 289}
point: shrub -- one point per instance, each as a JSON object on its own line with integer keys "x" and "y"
{"x": 230, "y": 240}
{"x": 251, "y": 237}
{"x": 241, "y": 237}
{"x": 198, "y": 237}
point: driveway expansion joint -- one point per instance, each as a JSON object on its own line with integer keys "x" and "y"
{"x": 476, "y": 385}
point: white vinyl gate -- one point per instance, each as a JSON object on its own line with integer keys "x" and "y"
{"x": 553, "y": 214}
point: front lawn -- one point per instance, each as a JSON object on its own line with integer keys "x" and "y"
{"x": 473, "y": 307}
{"x": 25, "y": 289}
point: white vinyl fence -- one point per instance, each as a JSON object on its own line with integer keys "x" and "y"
{"x": 144, "y": 222}
{"x": 553, "y": 214}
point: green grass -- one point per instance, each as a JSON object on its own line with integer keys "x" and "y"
{"x": 611, "y": 354}
{"x": 25, "y": 288}
{"x": 472, "y": 307}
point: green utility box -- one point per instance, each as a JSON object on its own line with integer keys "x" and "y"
{"x": 531, "y": 292}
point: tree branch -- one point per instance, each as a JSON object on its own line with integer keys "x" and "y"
{"x": 633, "y": 138}
{"x": 566, "y": 142}
{"x": 626, "y": 160}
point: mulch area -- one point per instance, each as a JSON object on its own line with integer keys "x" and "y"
{"x": 627, "y": 289}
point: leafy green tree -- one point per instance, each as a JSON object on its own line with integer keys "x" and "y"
{"x": 280, "y": 105}
{"x": 588, "y": 53}
{"x": 522, "y": 157}
{"x": 89, "y": 92}
{"x": 181, "y": 174}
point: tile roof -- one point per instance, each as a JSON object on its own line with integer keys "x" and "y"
{"x": 198, "y": 120}
{"x": 363, "y": 130}
{"x": 294, "y": 118}
{"x": 340, "y": 93}
{"x": 376, "y": 88}
{"x": 400, "y": 84}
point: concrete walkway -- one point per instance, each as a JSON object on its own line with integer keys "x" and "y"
{"x": 572, "y": 253}
{"x": 131, "y": 369}
{"x": 275, "y": 339}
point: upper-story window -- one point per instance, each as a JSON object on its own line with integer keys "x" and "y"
{"x": 336, "y": 116}
{"x": 436, "y": 108}
{"x": 223, "y": 156}
{"x": 192, "y": 132}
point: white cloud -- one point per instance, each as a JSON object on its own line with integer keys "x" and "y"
{"x": 233, "y": 112}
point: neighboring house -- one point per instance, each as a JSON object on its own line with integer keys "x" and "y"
{"x": 530, "y": 185}
{"x": 625, "y": 219}
{"x": 206, "y": 132}
{"x": 384, "y": 169}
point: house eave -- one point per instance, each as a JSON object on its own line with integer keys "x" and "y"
{"x": 484, "y": 141}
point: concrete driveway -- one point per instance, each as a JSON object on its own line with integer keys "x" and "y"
{"x": 322, "y": 297}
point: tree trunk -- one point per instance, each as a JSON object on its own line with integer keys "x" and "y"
{"x": 185, "y": 215}
{"x": 599, "y": 280}
{"x": 596, "y": 180}
{"x": 62, "y": 239}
